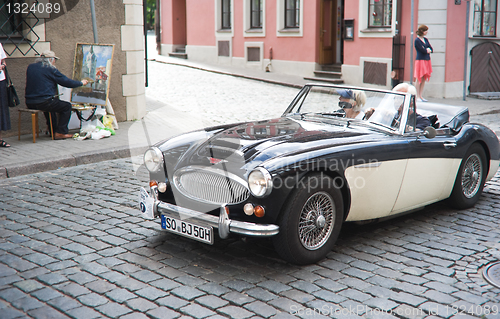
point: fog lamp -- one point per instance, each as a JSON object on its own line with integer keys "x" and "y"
{"x": 162, "y": 187}
{"x": 248, "y": 209}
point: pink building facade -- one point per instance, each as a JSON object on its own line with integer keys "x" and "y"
{"x": 365, "y": 42}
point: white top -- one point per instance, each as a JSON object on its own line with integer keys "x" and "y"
{"x": 360, "y": 115}
{"x": 2, "y": 57}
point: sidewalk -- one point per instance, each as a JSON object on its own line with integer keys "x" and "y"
{"x": 26, "y": 157}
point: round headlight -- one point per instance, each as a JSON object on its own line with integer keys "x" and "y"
{"x": 153, "y": 159}
{"x": 260, "y": 182}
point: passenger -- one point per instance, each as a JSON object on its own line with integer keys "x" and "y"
{"x": 421, "y": 122}
{"x": 352, "y": 101}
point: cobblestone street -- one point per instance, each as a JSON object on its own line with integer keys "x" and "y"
{"x": 73, "y": 243}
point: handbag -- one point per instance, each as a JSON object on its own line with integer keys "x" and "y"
{"x": 12, "y": 98}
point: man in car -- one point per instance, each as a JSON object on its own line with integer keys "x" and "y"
{"x": 421, "y": 122}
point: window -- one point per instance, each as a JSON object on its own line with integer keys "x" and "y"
{"x": 226, "y": 15}
{"x": 289, "y": 17}
{"x": 10, "y": 21}
{"x": 17, "y": 27}
{"x": 485, "y": 16}
{"x": 254, "y": 18}
{"x": 255, "y": 14}
{"x": 380, "y": 13}
{"x": 292, "y": 13}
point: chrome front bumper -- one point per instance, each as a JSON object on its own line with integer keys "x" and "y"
{"x": 222, "y": 222}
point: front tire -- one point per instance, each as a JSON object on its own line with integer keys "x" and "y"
{"x": 470, "y": 178}
{"x": 310, "y": 222}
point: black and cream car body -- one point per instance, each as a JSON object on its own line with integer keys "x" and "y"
{"x": 298, "y": 177}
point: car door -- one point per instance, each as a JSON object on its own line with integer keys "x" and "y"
{"x": 430, "y": 172}
{"x": 375, "y": 181}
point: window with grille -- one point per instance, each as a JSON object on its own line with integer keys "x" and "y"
{"x": 255, "y": 14}
{"x": 17, "y": 23}
{"x": 292, "y": 13}
{"x": 485, "y": 17}
{"x": 10, "y": 21}
{"x": 379, "y": 13}
{"x": 226, "y": 15}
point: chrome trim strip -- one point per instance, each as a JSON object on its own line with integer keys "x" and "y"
{"x": 368, "y": 165}
{"x": 236, "y": 227}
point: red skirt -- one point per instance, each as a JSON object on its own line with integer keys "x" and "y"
{"x": 423, "y": 69}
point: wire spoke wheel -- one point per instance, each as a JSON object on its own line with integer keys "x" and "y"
{"x": 472, "y": 176}
{"x": 317, "y": 220}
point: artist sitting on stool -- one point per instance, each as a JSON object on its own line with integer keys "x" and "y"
{"x": 42, "y": 78}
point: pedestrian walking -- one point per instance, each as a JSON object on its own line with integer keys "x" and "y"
{"x": 423, "y": 66}
{"x": 4, "y": 105}
{"x": 42, "y": 78}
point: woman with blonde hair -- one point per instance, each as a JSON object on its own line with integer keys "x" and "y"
{"x": 423, "y": 66}
{"x": 352, "y": 101}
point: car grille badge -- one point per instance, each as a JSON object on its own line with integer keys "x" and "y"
{"x": 215, "y": 161}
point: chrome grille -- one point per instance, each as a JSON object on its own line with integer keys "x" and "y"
{"x": 211, "y": 185}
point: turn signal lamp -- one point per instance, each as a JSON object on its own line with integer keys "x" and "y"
{"x": 259, "y": 211}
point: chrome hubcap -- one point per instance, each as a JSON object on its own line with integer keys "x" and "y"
{"x": 472, "y": 176}
{"x": 320, "y": 221}
{"x": 316, "y": 221}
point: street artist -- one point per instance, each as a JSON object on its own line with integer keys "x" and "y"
{"x": 42, "y": 78}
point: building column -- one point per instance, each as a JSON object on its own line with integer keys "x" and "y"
{"x": 433, "y": 14}
{"x": 132, "y": 39}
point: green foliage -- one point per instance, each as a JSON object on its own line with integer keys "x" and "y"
{"x": 150, "y": 14}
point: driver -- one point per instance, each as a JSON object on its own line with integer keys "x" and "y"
{"x": 421, "y": 122}
{"x": 352, "y": 101}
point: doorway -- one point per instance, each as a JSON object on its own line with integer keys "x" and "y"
{"x": 330, "y": 48}
{"x": 485, "y": 68}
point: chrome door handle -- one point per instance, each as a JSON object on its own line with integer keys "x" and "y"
{"x": 449, "y": 144}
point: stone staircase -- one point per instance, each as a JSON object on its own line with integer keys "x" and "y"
{"x": 330, "y": 73}
{"x": 179, "y": 53}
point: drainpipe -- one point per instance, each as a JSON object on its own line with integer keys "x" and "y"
{"x": 411, "y": 42}
{"x": 94, "y": 23}
{"x": 466, "y": 56}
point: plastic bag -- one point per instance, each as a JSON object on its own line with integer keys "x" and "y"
{"x": 92, "y": 125}
{"x": 98, "y": 134}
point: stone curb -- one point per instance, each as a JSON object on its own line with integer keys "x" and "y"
{"x": 48, "y": 164}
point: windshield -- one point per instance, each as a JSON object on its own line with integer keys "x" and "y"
{"x": 383, "y": 108}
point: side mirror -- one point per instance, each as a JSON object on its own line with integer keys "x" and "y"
{"x": 429, "y": 132}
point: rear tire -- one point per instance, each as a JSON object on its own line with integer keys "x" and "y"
{"x": 470, "y": 178}
{"x": 311, "y": 221}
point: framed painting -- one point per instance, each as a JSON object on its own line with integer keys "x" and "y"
{"x": 93, "y": 63}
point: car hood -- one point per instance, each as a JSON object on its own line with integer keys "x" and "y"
{"x": 247, "y": 145}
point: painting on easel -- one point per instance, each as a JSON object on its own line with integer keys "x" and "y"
{"x": 93, "y": 63}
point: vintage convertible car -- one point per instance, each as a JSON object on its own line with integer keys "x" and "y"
{"x": 297, "y": 178}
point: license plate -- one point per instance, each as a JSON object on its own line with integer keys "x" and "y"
{"x": 187, "y": 229}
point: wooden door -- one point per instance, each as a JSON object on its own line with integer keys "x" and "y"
{"x": 327, "y": 32}
{"x": 485, "y": 68}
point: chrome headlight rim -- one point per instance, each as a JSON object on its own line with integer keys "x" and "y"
{"x": 267, "y": 182}
{"x": 153, "y": 159}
